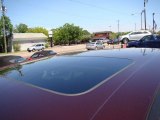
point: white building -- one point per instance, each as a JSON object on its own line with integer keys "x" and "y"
{"x": 26, "y": 40}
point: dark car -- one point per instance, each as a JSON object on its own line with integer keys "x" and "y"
{"x": 119, "y": 84}
{"x": 149, "y": 41}
{"x": 10, "y": 60}
{"x": 114, "y": 41}
{"x": 42, "y": 54}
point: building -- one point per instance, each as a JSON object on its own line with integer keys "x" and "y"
{"x": 102, "y": 35}
{"x": 26, "y": 40}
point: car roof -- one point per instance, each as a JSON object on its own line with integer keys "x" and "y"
{"x": 126, "y": 96}
{"x": 46, "y": 52}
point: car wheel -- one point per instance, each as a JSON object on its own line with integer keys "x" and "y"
{"x": 125, "y": 40}
{"x": 42, "y": 49}
{"x": 33, "y": 50}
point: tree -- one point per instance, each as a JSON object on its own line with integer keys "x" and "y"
{"x": 158, "y": 32}
{"x": 85, "y": 32}
{"x": 38, "y": 30}
{"x": 21, "y": 28}
{"x": 67, "y": 34}
{"x": 86, "y": 36}
{"x": 8, "y": 29}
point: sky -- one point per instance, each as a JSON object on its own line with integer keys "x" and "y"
{"x": 92, "y": 15}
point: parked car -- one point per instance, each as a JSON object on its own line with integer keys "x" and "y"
{"x": 10, "y": 60}
{"x": 133, "y": 36}
{"x": 95, "y": 85}
{"x": 36, "y": 47}
{"x": 103, "y": 40}
{"x": 114, "y": 41}
{"x": 149, "y": 41}
{"x": 95, "y": 45}
{"x": 42, "y": 54}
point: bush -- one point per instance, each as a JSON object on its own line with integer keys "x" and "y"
{"x": 16, "y": 47}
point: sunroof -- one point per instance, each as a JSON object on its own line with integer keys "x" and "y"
{"x": 69, "y": 75}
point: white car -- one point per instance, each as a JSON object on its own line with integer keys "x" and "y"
{"x": 94, "y": 45}
{"x": 133, "y": 36}
{"x": 103, "y": 40}
{"x": 36, "y": 47}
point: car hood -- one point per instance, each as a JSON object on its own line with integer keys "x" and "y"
{"x": 125, "y": 96}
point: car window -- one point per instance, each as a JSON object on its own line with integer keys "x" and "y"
{"x": 139, "y": 33}
{"x": 52, "y": 53}
{"x": 41, "y": 55}
{"x": 146, "y": 38}
{"x": 157, "y": 37}
{"x": 133, "y": 33}
{"x": 99, "y": 43}
{"x": 145, "y": 32}
{"x": 34, "y": 56}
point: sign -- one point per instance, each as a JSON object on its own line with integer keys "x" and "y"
{"x": 50, "y": 33}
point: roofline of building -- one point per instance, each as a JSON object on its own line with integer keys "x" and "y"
{"x": 102, "y": 32}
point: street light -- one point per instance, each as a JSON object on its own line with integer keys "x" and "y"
{"x": 141, "y": 16}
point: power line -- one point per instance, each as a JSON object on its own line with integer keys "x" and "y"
{"x": 98, "y": 7}
{"x": 80, "y": 16}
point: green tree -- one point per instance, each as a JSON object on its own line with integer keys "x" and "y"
{"x": 85, "y": 32}
{"x": 9, "y": 29}
{"x": 67, "y": 34}
{"x": 21, "y": 28}
{"x": 86, "y": 36}
{"x": 38, "y": 30}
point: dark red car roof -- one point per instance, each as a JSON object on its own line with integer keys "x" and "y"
{"x": 127, "y": 95}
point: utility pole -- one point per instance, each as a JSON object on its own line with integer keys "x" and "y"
{"x": 153, "y": 23}
{"x": 118, "y": 26}
{"x": 4, "y": 29}
{"x": 135, "y": 27}
{"x": 109, "y": 27}
{"x": 141, "y": 18}
{"x": 145, "y": 1}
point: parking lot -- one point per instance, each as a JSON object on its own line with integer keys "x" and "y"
{"x": 62, "y": 49}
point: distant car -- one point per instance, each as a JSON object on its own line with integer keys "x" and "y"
{"x": 36, "y": 47}
{"x": 95, "y": 45}
{"x": 103, "y": 40}
{"x": 10, "y": 60}
{"x": 133, "y": 36}
{"x": 149, "y": 41}
{"x": 114, "y": 41}
{"x": 42, "y": 54}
